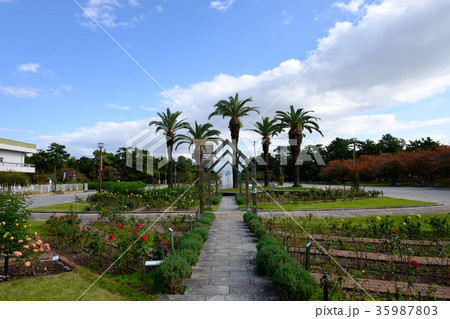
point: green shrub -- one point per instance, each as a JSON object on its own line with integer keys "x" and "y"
{"x": 170, "y": 274}
{"x": 278, "y": 260}
{"x": 293, "y": 282}
{"x": 203, "y": 231}
{"x": 263, "y": 255}
{"x": 249, "y": 216}
{"x": 259, "y": 231}
{"x": 121, "y": 187}
{"x": 240, "y": 200}
{"x": 254, "y": 223}
{"x": 191, "y": 243}
{"x": 267, "y": 240}
{"x": 216, "y": 198}
{"x": 190, "y": 255}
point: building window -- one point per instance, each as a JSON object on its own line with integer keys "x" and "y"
{"x": 1, "y": 159}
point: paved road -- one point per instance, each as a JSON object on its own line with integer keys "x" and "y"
{"x": 427, "y": 194}
{"x": 48, "y": 200}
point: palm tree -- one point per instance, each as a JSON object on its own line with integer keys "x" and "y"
{"x": 169, "y": 123}
{"x": 234, "y": 109}
{"x": 199, "y": 135}
{"x": 297, "y": 121}
{"x": 267, "y": 129}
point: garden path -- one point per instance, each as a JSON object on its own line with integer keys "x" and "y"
{"x": 224, "y": 270}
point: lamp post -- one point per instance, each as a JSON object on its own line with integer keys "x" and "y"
{"x": 356, "y": 182}
{"x": 100, "y": 146}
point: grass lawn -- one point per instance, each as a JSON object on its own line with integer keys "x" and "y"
{"x": 36, "y": 226}
{"x": 68, "y": 287}
{"x": 368, "y": 202}
{"x": 77, "y": 207}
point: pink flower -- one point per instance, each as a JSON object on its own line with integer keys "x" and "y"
{"x": 17, "y": 253}
{"x": 26, "y": 246}
{"x": 91, "y": 218}
{"x": 20, "y": 241}
{"x": 61, "y": 218}
{"x": 27, "y": 264}
{"x": 28, "y": 238}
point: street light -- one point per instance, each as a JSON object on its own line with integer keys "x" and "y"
{"x": 356, "y": 182}
{"x": 100, "y": 146}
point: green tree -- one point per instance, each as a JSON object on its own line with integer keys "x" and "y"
{"x": 368, "y": 147}
{"x": 58, "y": 155}
{"x": 235, "y": 109}
{"x": 170, "y": 124}
{"x": 422, "y": 144}
{"x": 338, "y": 149}
{"x": 297, "y": 120}
{"x": 391, "y": 144}
{"x": 267, "y": 128}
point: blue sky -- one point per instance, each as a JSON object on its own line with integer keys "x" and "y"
{"x": 65, "y": 80}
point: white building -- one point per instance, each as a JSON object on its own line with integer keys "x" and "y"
{"x": 12, "y": 156}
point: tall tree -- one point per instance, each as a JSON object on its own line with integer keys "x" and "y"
{"x": 267, "y": 129}
{"x": 422, "y": 144}
{"x": 297, "y": 120}
{"x": 170, "y": 124}
{"x": 199, "y": 135}
{"x": 235, "y": 109}
{"x": 58, "y": 155}
{"x": 338, "y": 149}
{"x": 391, "y": 144}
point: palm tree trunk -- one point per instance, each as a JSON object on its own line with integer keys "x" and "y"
{"x": 169, "y": 145}
{"x": 266, "y": 161}
{"x": 296, "y": 134}
{"x": 235, "y": 126}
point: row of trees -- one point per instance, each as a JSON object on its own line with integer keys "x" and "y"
{"x": 418, "y": 164}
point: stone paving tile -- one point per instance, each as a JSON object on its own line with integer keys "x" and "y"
{"x": 225, "y": 270}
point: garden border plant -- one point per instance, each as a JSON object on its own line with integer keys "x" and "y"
{"x": 169, "y": 275}
{"x": 289, "y": 279}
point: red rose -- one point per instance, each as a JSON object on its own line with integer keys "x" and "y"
{"x": 91, "y": 219}
{"x": 143, "y": 238}
{"x": 414, "y": 263}
{"x": 83, "y": 229}
{"x": 394, "y": 232}
{"x": 135, "y": 231}
{"x": 54, "y": 212}
{"x": 108, "y": 209}
{"x": 120, "y": 226}
{"x": 71, "y": 205}
{"x": 139, "y": 225}
{"x": 111, "y": 236}
{"x": 65, "y": 235}
{"x": 163, "y": 243}
{"x": 71, "y": 217}
{"x": 105, "y": 240}
{"x": 160, "y": 239}
{"x": 61, "y": 218}
{"x": 165, "y": 249}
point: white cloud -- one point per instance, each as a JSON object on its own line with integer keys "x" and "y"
{"x": 19, "y": 91}
{"x": 287, "y": 18}
{"x": 159, "y": 8}
{"x": 221, "y": 5}
{"x": 118, "y": 107}
{"x": 104, "y": 12}
{"x": 352, "y": 6}
{"x": 397, "y": 54}
{"x": 29, "y": 67}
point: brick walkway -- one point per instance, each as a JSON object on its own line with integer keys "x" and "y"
{"x": 224, "y": 271}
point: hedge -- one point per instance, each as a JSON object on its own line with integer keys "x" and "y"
{"x": 216, "y": 198}
{"x": 120, "y": 187}
{"x": 240, "y": 200}
{"x": 292, "y": 282}
{"x": 289, "y": 279}
{"x": 170, "y": 274}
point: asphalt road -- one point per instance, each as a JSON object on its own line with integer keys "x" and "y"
{"x": 48, "y": 200}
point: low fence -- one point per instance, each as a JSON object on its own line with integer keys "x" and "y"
{"x": 42, "y": 189}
